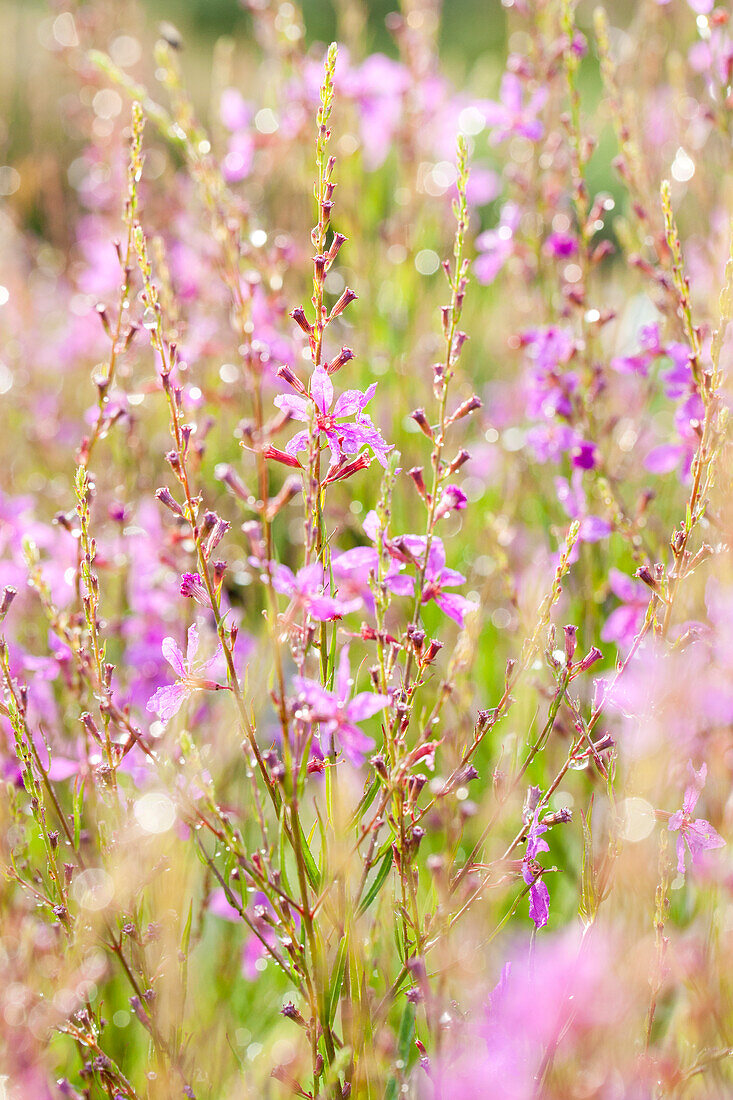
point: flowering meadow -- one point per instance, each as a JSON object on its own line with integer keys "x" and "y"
{"x": 366, "y": 592}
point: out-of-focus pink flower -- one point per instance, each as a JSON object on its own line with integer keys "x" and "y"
{"x": 623, "y": 624}
{"x": 378, "y": 87}
{"x": 234, "y": 110}
{"x": 168, "y": 700}
{"x": 511, "y": 115}
{"x": 572, "y": 497}
{"x": 495, "y": 246}
{"x": 351, "y": 572}
{"x": 698, "y": 835}
{"x": 552, "y": 997}
{"x": 650, "y": 349}
{"x": 584, "y": 455}
{"x": 713, "y": 57}
{"x": 561, "y": 245}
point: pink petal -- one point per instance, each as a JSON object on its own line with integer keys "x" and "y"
{"x": 296, "y": 406}
{"x": 192, "y": 647}
{"x": 173, "y": 656}
{"x": 167, "y": 700}
{"x": 366, "y": 704}
{"x": 321, "y": 389}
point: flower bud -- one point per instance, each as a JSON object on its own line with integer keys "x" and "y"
{"x": 422, "y": 422}
{"x": 301, "y": 320}
{"x": 344, "y": 356}
{"x": 346, "y": 299}
{"x": 288, "y": 375}
{"x": 465, "y": 409}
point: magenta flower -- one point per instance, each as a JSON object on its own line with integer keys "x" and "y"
{"x": 305, "y": 589}
{"x": 539, "y": 895}
{"x": 438, "y": 578}
{"x": 338, "y": 715}
{"x": 192, "y": 586}
{"x": 351, "y": 572}
{"x": 452, "y": 499}
{"x": 561, "y": 245}
{"x": 623, "y": 624}
{"x": 584, "y": 455}
{"x": 698, "y": 835}
{"x": 549, "y": 387}
{"x": 343, "y": 438}
{"x": 168, "y": 700}
{"x": 511, "y": 115}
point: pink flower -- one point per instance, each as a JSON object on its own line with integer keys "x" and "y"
{"x": 343, "y": 438}
{"x": 572, "y": 497}
{"x": 698, "y": 835}
{"x": 192, "y": 586}
{"x": 305, "y": 589}
{"x": 337, "y": 714}
{"x": 168, "y": 700}
{"x": 438, "y": 578}
{"x": 561, "y": 245}
{"x": 351, "y": 572}
{"x": 511, "y": 115}
{"x": 452, "y": 499}
{"x": 495, "y": 246}
{"x": 539, "y": 895}
{"x": 623, "y": 624}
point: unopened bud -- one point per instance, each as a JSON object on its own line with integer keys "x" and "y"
{"x": 336, "y": 243}
{"x": 165, "y": 498}
{"x": 232, "y": 480}
{"x": 422, "y": 422}
{"x": 461, "y": 458}
{"x": 434, "y": 648}
{"x": 645, "y": 574}
{"x": 344, "y": 356}
{"x": 416, "y": 474}
{"x": 9, "y": 594}
{"x": 346, "y": 299}
{"x": 466, "y": 408}
{"x": 288, "y": 375}
{"x": 281, "y": 456}
{"x": 290, "y": 1012}
{"x": 590, "y": 659}
{"x": 301, "y": 320}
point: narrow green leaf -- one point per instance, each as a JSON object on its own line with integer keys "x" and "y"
{"x": 378, "y": 880}
{"x": 324, "y": 844}
{"x": 311, "y": 869}
{"x": 283, "y": 865}
{"x": 404, "y": 1044}
{"x": 337, "y": 978}
{"x": 186, "y": 937}
{"x": 588, "y": 899}
{"x": 366, "y": 800}
{"x": 407, "y": 1032}
{"x": 77, "y": 805}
